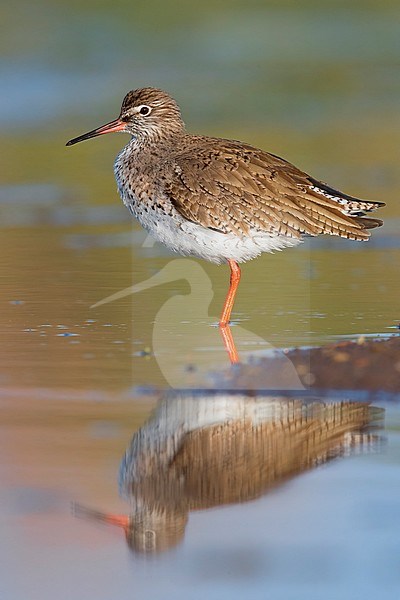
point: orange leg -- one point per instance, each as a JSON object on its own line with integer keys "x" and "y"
{"x": 230, "y": 298}
{"x": 229, "y": 344}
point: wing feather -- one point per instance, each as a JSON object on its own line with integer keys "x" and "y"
{"x": 232, "y": 187}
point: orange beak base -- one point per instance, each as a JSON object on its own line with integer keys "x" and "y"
{"x": 113, "y": 126}
{"x": 88, "y": 513}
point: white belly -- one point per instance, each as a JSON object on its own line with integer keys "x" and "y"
{"x": 187, "y": 238}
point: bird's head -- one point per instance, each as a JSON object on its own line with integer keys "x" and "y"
{"x": 145, "y": 113}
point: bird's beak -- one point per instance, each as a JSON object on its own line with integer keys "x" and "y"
{"x": 84, "y": 512}
{"x": 113, "y": 126}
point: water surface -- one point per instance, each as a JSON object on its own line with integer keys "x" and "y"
{"x": 315, "y": 84}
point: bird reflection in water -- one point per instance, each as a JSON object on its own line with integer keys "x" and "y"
{"x": 200, "y": 451}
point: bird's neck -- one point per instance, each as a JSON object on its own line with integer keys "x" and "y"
{"x": 154, "y": 143}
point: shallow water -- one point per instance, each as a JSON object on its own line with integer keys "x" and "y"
{"x": 77, "y": 382}
{"x": 304, "y": 296}
{"x": 331, "y": 530}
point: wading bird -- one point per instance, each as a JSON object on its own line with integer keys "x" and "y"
{"x": 216, "y": 199}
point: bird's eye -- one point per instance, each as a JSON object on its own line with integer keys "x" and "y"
{"x": 144, "y": 110}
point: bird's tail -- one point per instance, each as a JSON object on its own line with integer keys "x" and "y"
{"x": 368, "y": 223}
{"x": 350, "y": 206}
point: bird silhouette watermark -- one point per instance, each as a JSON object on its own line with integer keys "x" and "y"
{"x": 183, "y": 323}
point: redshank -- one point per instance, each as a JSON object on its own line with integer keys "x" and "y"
{"x": 216, "y": 199}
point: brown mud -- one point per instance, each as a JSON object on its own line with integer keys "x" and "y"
{"x": 371, "y": 365}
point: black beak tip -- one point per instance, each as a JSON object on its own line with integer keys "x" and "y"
{"x": 70, "y": 143}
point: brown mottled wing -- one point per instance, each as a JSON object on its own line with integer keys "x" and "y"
{"x": 232, "y": 187}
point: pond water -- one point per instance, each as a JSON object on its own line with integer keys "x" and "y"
{"x": 283, "y": 496}
{"x": 221, "y": 495}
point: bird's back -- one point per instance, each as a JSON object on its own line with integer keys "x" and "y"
{"x": 233, "y": 187}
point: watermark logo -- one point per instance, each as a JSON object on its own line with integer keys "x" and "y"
{"x": 187, "y": 343}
